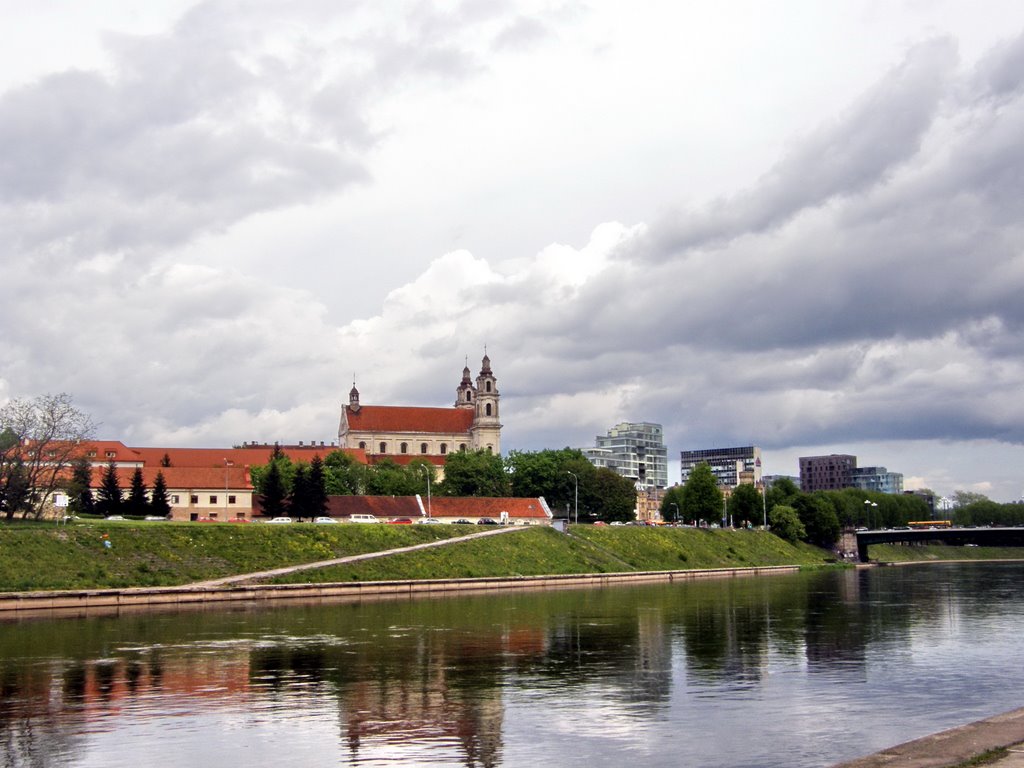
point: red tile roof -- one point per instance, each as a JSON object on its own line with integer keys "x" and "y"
{"x": 211, "y": 457}
{"x": 182, "y": 478}
{"x": 390, "y": 418}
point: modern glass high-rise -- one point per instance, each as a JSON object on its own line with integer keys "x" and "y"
{"x": 635, "y": 450}
{"x": 731, "y": 466}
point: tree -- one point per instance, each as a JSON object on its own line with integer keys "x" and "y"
{"x": 39, "y": 440}
{"x": 137, "y": 502}
{"x": 159, "y": 504}
{"x": 610, "y": 496}
{"x": 299, "y": 500}
{"x": 109, "y": 501}
{"x": 273, "y": 491}
{"x": 317, "y": 487}
{"x": 672, "y": 504}
{"x": 475, "y": 473}
{"x": 818, "y": 517}
{"x": 701, "y": 498}
{"x": 745, "y": 505}
{"x": 80, "y": 498}
{"x": 782, "y": 492}
{"x": 343, "y": 475}
{"x": 785, "y": 523}
{"x": 547, "y": 473}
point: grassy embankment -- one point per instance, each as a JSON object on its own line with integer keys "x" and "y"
{"x": 44, "y": 556}
{"x": 897, "y": 553}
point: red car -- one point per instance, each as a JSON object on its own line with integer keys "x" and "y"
{"x": 400, "y": 521}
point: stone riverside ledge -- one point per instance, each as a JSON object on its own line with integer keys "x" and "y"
{"x": 955, "y": 746}
{"x": 76, "y": 602}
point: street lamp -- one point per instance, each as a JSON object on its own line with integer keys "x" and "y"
{"x": 675, "y": 518}
{"x": 869, "y": 504}
{"x": 426, "y": 471}
{"x": 576, "y": 495}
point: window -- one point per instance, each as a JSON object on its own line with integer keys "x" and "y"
{"x": 193, "y": 499}
{"x": 462, "y": 447}
{"x": 111, "y": 454}
{"x": 231, "y": 499}
{"x": 487, "y": 409}
{"x": 91, "y": 454}
{"x": 444, "y": 448}
{"x": 469, "y": 396}
{"x": 362, "y": 445}
{"x": 487, "y": 386}
{"x": 383, "y": 447}
{"x": 174, "y": 498}
{"x": 404, "y": 448}
{"x": 213, "y": 499}
{"x": 423, "y": 447}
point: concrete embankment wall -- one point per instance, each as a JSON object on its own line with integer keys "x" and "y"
{"x": 105, "y": 600}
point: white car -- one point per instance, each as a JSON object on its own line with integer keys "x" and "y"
{"x": 280, "y": 520}
{"x": 327, "y": 520}
{"x": 360, "y": 518}
{"x": 428, "y": 521}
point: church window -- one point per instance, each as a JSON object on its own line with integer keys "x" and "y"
{"x": 487, "y": 409}
{"x": 404, "y": 448}
{"x": 362, "y": 445}
{"x": 423, "y": 447}
{"x": 487, "y": 386}
{"x": 469, "y": 396}
{"x": 444, "y": 448}
{"x": 462, "y": 447}
{"x": 383, "y": 447}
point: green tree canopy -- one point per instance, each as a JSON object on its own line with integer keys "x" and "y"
{"x": 159, "y": 504}
{"x": 745, "y": 506}
{"x": 273, "y": 491}
{"x": 701, "y": 498}
{"x": 137, "y": 502}
{"x": 80, "y": 498}
{"x": 610, "y": 496}
{"x": 785, "y": 523}
{"x": 343, "y": 475}
{"x": 818, "y": 517}
{"x": 672, "y": 504}
{"x": 475, "y": 473}
{"x": 109, "y": 501}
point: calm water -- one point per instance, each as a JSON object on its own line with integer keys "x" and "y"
{"x": 801, "y": 670}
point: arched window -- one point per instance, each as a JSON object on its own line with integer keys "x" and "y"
{"x": 462, "y": 447}
{"x": 490, "y": 449}
{"x": 404, "y": 448}
{"x": 383, "y": 447}
{"x": 362, "y": 445}
{"x": 423, "y": 447}
{"x": 487, "y": 386}
{"x": 469, "y": 396}
{"x": 487, "y": 409}
{"x": 444, "y": 448}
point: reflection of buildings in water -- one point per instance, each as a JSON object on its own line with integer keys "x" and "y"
{"x": 453, "y": 695}
{"x": 652, "y": 673}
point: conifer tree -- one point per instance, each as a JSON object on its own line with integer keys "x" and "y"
{"x": 137, "y": 503}
{"x": 159, "y": 504}
{"x": 274, "y": 492}
{"x": 80, "y": 498}
{"x": 109, "y": 501}
{"x": 317, "y": 487}
{"x": 299, "y": 498}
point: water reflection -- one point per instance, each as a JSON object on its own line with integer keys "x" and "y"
{"x": 796, "y": 670}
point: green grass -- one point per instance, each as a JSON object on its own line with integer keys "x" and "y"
{"x": 44, "y": 556}
{"x": 896, "y": 553}
{"x": 543, "y": 551}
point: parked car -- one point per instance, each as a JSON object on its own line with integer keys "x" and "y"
{"x": 486, "y": 521}
{"x": 400, "y": 521}
{"x": 325, "y": 520}
{"x": 363, "y": 519}
{"x": 280, "y": 520}
{"x": 600, "y": 522}
{"x": 155, "y": 517}
{"x": 116, "y": 517}
{"x": 461, "y": 521}
{"x": 239, "y": 520}
{"x": 428, "y": 521}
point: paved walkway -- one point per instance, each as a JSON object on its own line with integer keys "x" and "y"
{"x": 956, "y": 746}
{"x": 260, "y": 575}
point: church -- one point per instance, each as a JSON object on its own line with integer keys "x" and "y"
{"x": 403, "y": 433}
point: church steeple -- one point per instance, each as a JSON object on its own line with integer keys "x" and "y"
{"x": 486, "y": 427}
{"x": 353, "y": 398}
{"x": 465, "y": 395}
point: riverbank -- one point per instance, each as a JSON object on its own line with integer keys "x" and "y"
{"x": 996, "y": 741}
{"x": 163, "y": 554}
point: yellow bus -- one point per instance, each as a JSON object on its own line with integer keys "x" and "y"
{"x": 925, "y": 524}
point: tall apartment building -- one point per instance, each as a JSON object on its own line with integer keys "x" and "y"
{"x": 877, "y": 479}
{"x": 731, "y": 466}
{"x": 634, "y": 450}
{"x": 827, "y": 473}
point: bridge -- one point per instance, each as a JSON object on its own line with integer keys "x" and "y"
{"x": 957, "y": 537}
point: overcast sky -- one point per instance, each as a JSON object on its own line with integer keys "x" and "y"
{"x": 785, "y": 223}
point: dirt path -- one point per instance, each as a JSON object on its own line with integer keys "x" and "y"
{"x": 260, "y": 575}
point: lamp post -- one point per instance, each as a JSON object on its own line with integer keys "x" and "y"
{"x": 868, "y": 507}
{"x": 576, "y": 496}
{"x": 426, "y": 471}
{"x": 675, "y": 518}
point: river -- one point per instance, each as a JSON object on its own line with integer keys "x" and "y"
{"x": 791, "y": 670}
